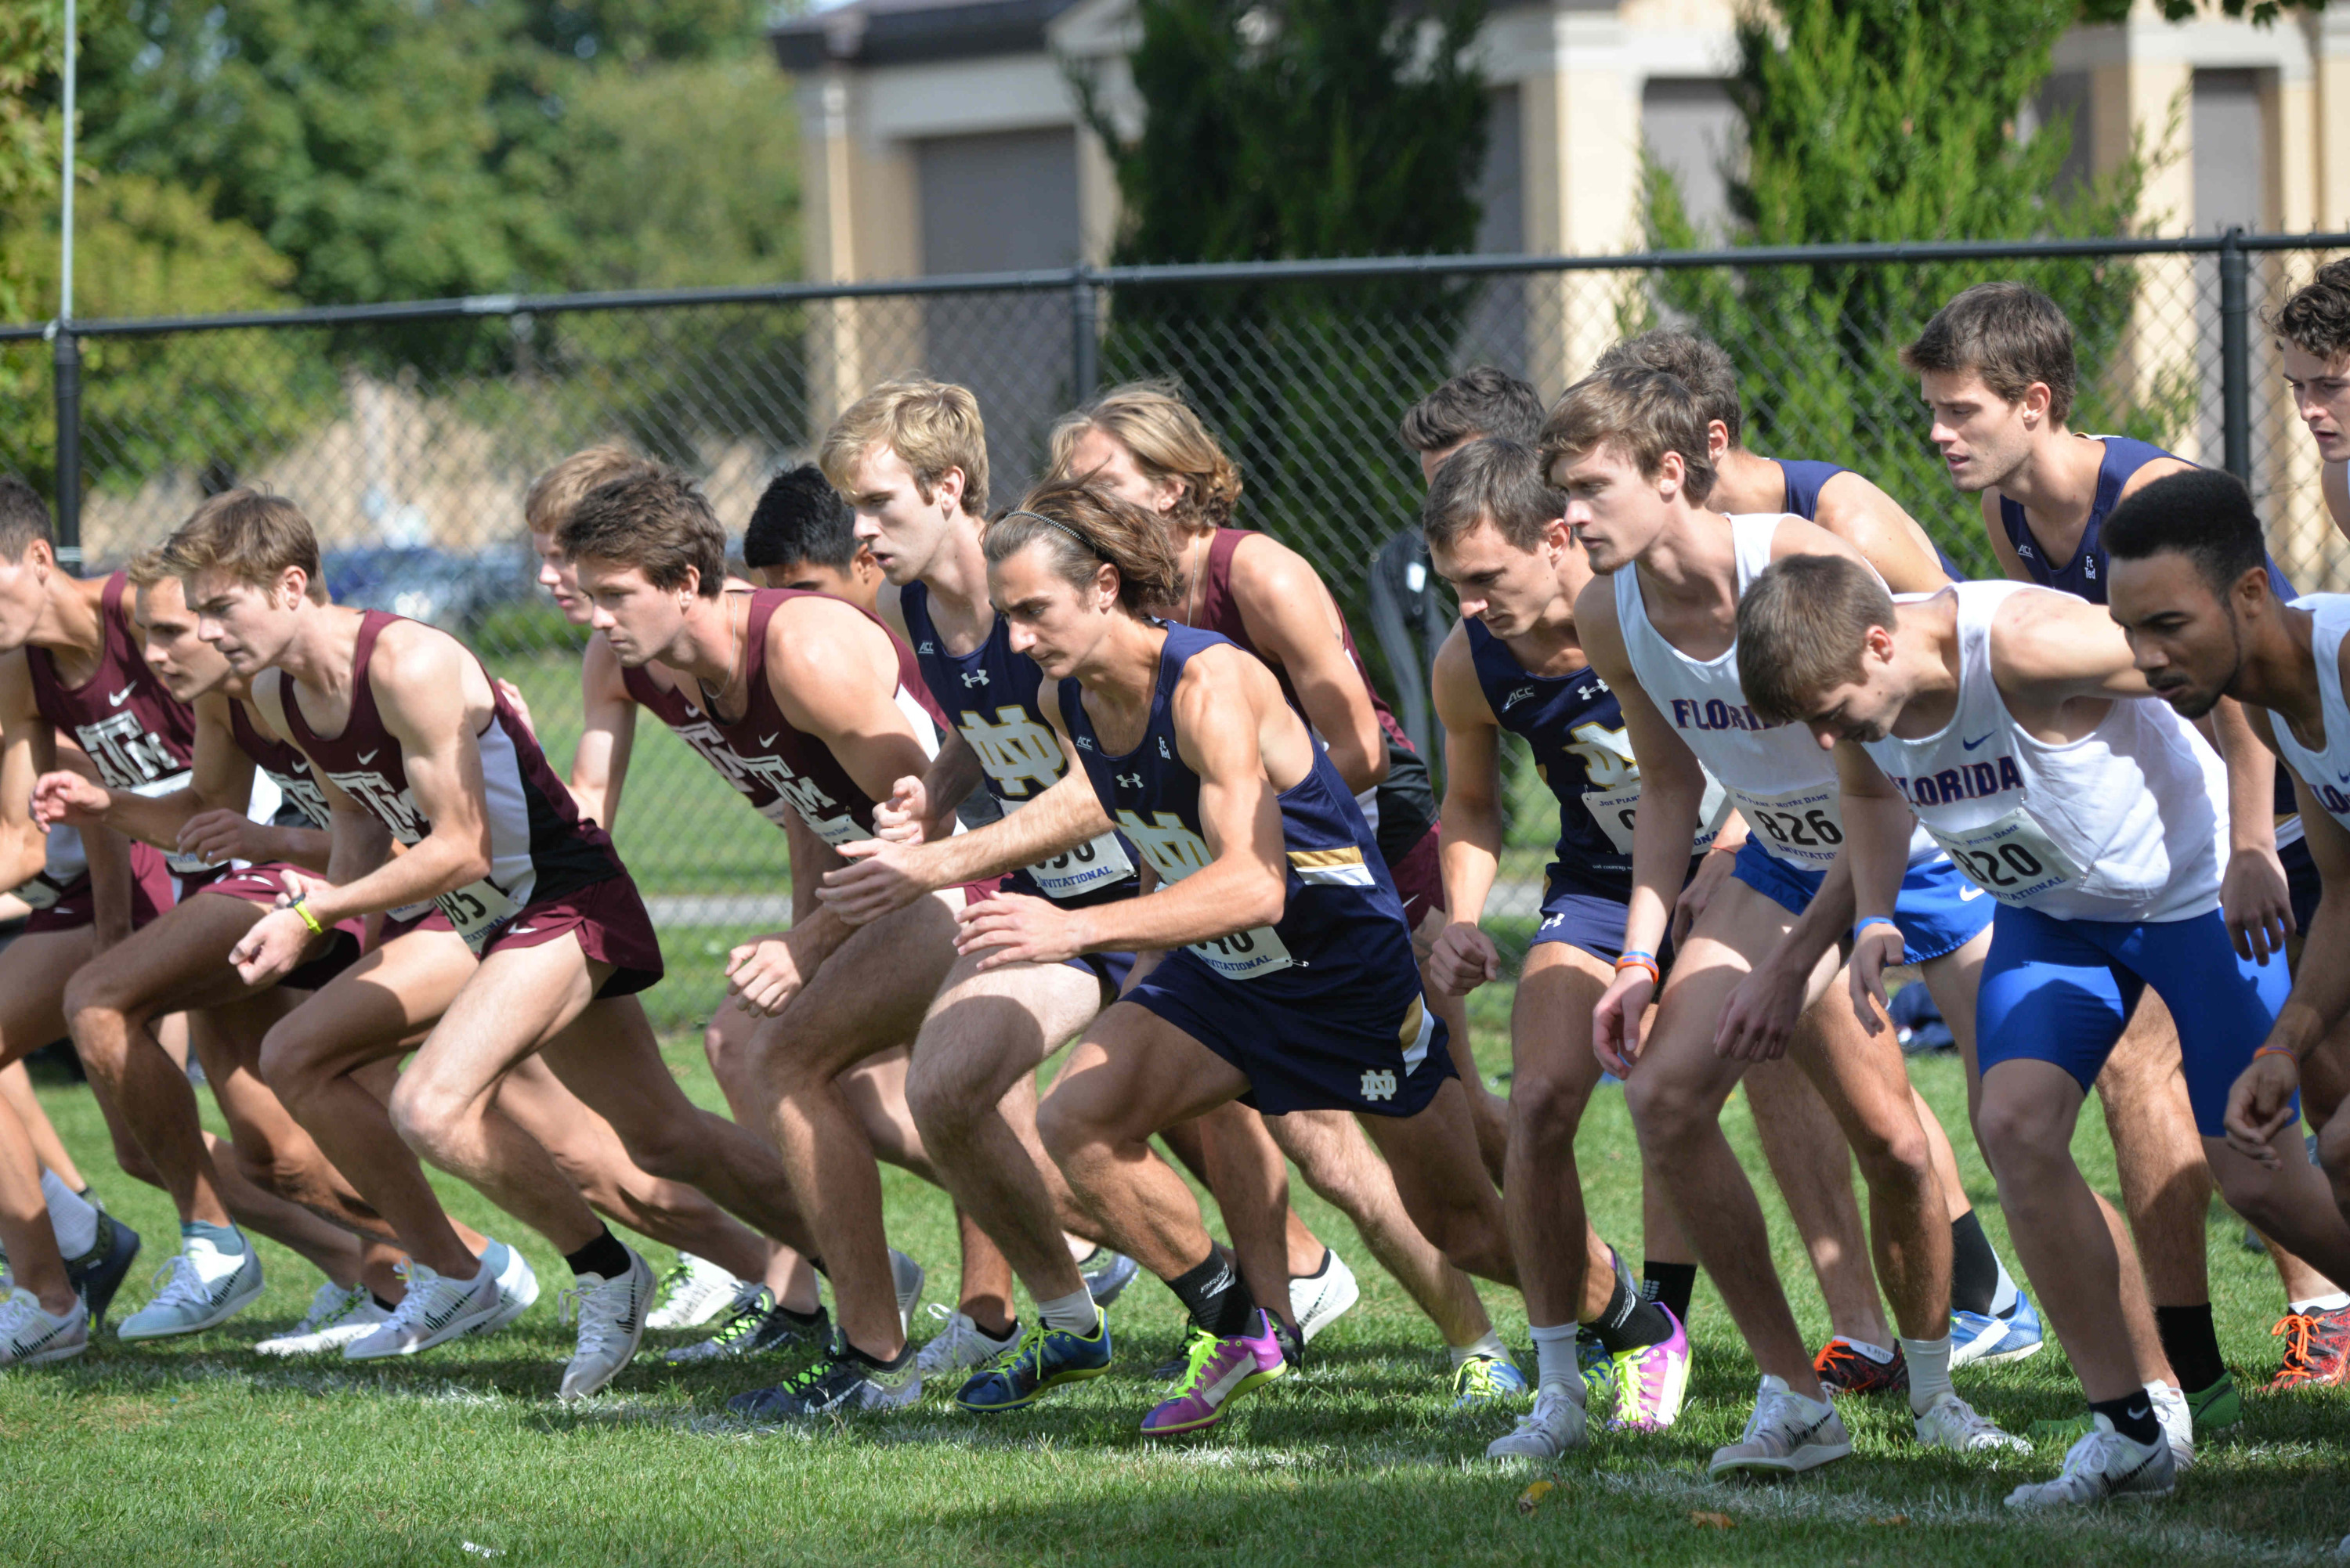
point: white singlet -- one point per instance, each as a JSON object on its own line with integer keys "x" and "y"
{"x": 2129, "y": 822}
{"x": 2326, "y": 773}
{"x": 1781, "y": 781}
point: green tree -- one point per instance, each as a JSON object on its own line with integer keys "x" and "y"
{"x": 1888, "y": 120}
{"x": 1300, "y": 129}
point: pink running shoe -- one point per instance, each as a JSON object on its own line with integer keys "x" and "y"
{"x": 1650, "y": 1380}
{"x": 1221, "y": 1371}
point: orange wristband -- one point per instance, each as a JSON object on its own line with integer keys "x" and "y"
{"x": 2284, "y": 1051}
{"x": 1641, "y": 960}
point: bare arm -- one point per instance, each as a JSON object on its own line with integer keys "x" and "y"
{"x": 1469, "y": 826}
{"x": 609, "y": 735}
{"x": 833, "y": 674}
{"x": 953, "y": 775}
{"x": 28, "y": 748}
{"x": 1291, "y": 617}
{"x": 1888, "y": 538}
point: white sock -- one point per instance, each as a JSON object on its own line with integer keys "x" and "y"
{"x": 1071, "y": 1313}
{"x": 2334, "y": 1302}
{"x": 1490, "y": 1345}
{"x": 2003, "y": 1299}
{"x": 1555, "y": 1363}
{"x": 70, "y": 1216}
{"x": 1929, "y": 1371}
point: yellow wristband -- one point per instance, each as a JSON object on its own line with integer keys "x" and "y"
{"x": 301, "y": 906}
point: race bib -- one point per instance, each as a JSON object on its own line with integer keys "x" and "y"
{"x": 1244, "y": 955}
{"x": 2013, "y": 859}
{"x": 1099, "y": 863}
{"x": 1803, "y": 827}
{"x": 179, "y": 865}
{"x": 477, "y": 910}
{"x": 1615, "y": 810}
{"x": 834, "y": 830}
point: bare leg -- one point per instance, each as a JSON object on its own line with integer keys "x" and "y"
{"x": 1184, "y": 1141}
{"x": 1250, "y": 1180}
{"x": 17, "y": 1089}
{"x": 1808, "y": 1158}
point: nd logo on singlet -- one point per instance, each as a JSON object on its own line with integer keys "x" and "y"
{"x": 1016, "y": 750}
{"x": 1173, "y": 850}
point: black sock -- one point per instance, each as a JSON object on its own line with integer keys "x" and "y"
{"x": 1670, "y": 1285}
{"x": 604, "y": 1256}
{"x": 807, "y": 1319}
{"x": 2132, "y": 1416}
{"x": 388, "y": 1306}
{"x": 2190, "y": 1345}
{"x": 1328, "y": 1257}
{"x": 905, "y": 1354}
{"x": 1215, "y": 1294}
{"x": 1974, "y": 1267}
{"x": 1630, "y": 1320}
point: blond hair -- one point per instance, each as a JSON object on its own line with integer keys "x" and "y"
{"x": 548, "y": 504}
{"x": 1803, "y": 625}
{"x": 1640, "y": 411}
{"x": 251, "y": 536}
{"x": 1168, "y": 439}
{"x": 932, "y": 426}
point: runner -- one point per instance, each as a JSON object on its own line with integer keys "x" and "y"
{"x": 1629, "y": 448}
{"x": 2010, "y": 721}
{"x": 412, "y": 743}
{"x": 2313, "y": 330}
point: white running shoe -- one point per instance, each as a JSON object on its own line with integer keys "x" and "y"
{"x": 1786, "y": 1434}
{"x": 435, "y": 1311}
{"x": 907, "y": 1275}
{"x": 1316, "y": 1300}
{"x": 611, "y": 1325}
{"x": 2101, "y": 1465}
{"x": 1554, "y": 1425}
{"x": 1950, "y": 1422}
{"x": 2177, "y": 1422}
{"x": 517, "y": 1285}
{"x": 202, "y": 1287}
{"x": 31, "y": 1337}
{"x": 960, "y": 1347}
{"x": 690, "y": 1294}
{"x": 337, "y": 1317}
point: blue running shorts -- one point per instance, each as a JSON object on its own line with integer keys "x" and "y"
{"x": 1939, "y": 911}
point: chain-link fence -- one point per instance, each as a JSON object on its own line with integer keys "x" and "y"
{"x": 408, "y": 433}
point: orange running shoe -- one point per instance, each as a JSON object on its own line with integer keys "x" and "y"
{"x": 2316, "y": 1349}
{"x": 1845, "y": 1370}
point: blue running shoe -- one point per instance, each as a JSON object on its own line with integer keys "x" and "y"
{"x": 1978, "y": 1339}
{"x": 1107, "y": 1273}
{"x": 1598, "y": 1368}
{"x": 1045, "y": 1359}
{"x": 1487, "y": 1380}
{"x": 100, "y": 1273}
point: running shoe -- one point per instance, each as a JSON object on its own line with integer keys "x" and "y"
{"x": 1787, "y": 1434}
{"x": 517, "y": 1285}
{"x": 1107, "y": 1274}
{"x": 2102, "y": 1464}
{"x": 840, "y": 1381}
{"x": 31, "y": 1337}
{"x": 435, "y": 1310}
{"x": 337, "y": 1317}
{"x": 1650, "y": 1380}
{"x": 1554, "y": 1425}
{"x": 202, "y": 1287}
{"x": 690, "y": 1294}
{"x": 2176, "y": 1418}
{"x": 961, "y": 1346}
{"x": 755, "y": 1327}
{"x": 100, "y": 1273}
{"x": 611, "y": 1325}
{"x": 1220, "y": 1371}
{"x": 1596, "y": 1366}
{"x": 2215, "y": 1409}
{"x": 1045, "y": 1359}
{"x": 1484, "y": 1380}
{"x": 907, "y": 1276}
{"x": 1950, "y": 1422}
{"x": 1844, "y": 1368}
{"x": 1317, "y": 1299}
{"x": 1988, "y": 1340}
{"x": 2316, "y": 1346}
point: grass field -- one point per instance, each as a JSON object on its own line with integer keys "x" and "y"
{"x": 198, "y": 1451}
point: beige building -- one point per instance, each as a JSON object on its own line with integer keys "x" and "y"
{"x": 943, "y": 137}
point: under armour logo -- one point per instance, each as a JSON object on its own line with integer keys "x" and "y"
{"x": 1378, "y": 1084}
{"x": 1129, "y": 781}
{"x": 1515, "y": 698}
{"x": 1586, "y": 692}
{"x": 975, "y": 677}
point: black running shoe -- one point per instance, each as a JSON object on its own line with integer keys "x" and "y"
{"x": 842, "y": 1382}
{"x": 100, "y": 1273}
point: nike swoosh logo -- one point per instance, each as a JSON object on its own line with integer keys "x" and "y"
{"x": 769, "y": 740}
{"x": 1968, "y": 890}
{"x": 116, "y": 699}
{"x": 367, "y": 757}
{"x": 523, "y": 931}
{"x": 1977, "y": 741}
{"x": 2140, "y": 1414}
